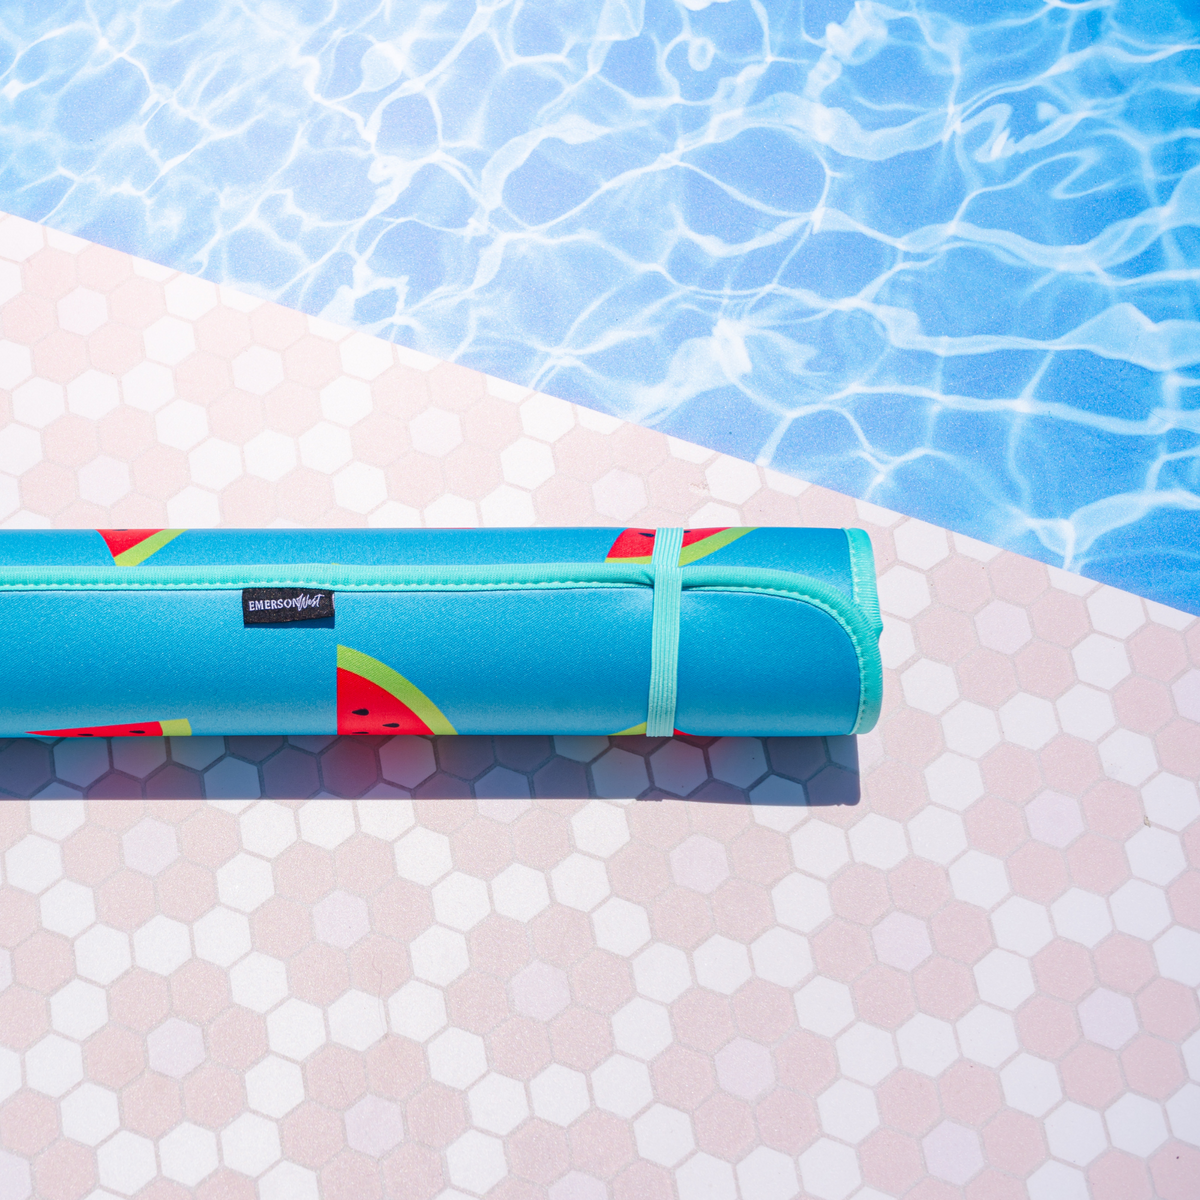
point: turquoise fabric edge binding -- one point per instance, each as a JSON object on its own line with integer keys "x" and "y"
{"x": 858, "y": 624}
{"x": 862, "y": 575}
{"x": 664, "y": 641}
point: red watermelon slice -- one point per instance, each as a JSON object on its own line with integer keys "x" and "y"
{"x": 637, "y": 545}
{"x": 132, "y": 546}
{"x": 372, "y": 698}
{"x": 140, "y": 729}
{"x": 641, "y": 729}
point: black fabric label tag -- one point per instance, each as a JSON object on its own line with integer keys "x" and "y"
{"x": 270, "y": 606}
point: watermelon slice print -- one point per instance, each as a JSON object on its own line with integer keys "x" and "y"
{"x": 641, "y": 729}
{"x": 372, "y": 698}
{"x": 637, "y": 545}
{"x": 179, "y": 728}
{"x": 132, "y": 546}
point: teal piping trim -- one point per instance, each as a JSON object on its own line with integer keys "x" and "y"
{"x": 862, "y": 575}
{"x": 323, "y": 575}
{"x": 854, "y": 621}
{"x": 664, "y": 641}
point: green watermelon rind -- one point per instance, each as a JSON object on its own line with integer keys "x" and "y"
{"x": 394, "y": 683}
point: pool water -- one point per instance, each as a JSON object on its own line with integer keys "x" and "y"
{"x": 945, "y": 263}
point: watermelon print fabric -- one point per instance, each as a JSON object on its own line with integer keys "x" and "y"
{"x": 505, "y": 631}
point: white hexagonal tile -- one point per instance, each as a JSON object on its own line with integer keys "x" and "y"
{"x": 829, "y": 1170}
{"x": 79, "y": 1009}
{"x": 1028, "y": 721}
{"x": 38, "y": 402}
{"x": 824, "y": 1006}
{"x": 987, "y": 1036}
{"x": 903, "y": 592}
{"x": 346, "y": 401}
{"x": 270, "y": 455}
{"x": 970, "y": 729}
{"x": 439, "y": 955}
{"x": 979, "y": 879}
{"x": 20, "y": 449}
{"x": 1101, "y": 661}
{"x": 1177, "y": 953}
{"x": 819, "y": 848}
{"x": 1155, "y": 855}
{"x": 600, "y": 828}
{"x": 126, "y": 1163}
{"x": 662, "y": 973}
{"x": 258, "y": 982}
{"x": 1128, "y": 757}
{"x": 1082, "y": 917}
{"x": 929, "y": 686}
{"x": 325, "y": 447}
{"x": 417, "y": 1010}
{"x": 90, "y": 1114}
{"x": 1186, "y": 690}
{"x": 181, "y": 424}
{"x": 781, "y": 957}
{"x": 642, "y": 1028}
{"x": 365, "y": 357}
{"x": 1140, "y": 909}
{"x": 188, "y": 1154}
{"x": 559, "y": 1094}
{"x": 954, "y": 781}
{"x": 250, "y": 1144}
{"x": 1136, "y": 1125}
{"x": 102, "y": 954}
{"x": 1085, "y": 712}
{"x": 498, "y": 1103}
{"x": 1022, "y": 926}
{"x": 476, "y": 1162}
{"x": 878, "y": 842}
{"x": 866, "y": 1053}
{"x": 357, "y": 1020}
{"x": 148, "y": 386}
{"x": 435, "y": 432}
{"x": 67, "y": 908}
{"x": 1031, "y": 1085}
{"x": 245, "y": 882}
{"x": 257, "y": 370}
{"x": 1171, "y": 801}
{"x": 1116, "y": 613}
{"x": 722, "y": 964}
{"x": 169, "y": 340}
{"x": 580, "y": 882}
{"x": 520, "y": 892}
{"x": 53, "y": 1065}
{"x": 423, "y": 856}
{"x": 664, "y": 1135}
{"x": 296, "y": 1028}
{"x": 937, "y": 834}
{"x": 920, "y": 544}
{"x": 621, "y": 1085}
{"x": 274, "y": 1086}
{"x": 1004, "y": 979}
{"x": 801, "y": 902}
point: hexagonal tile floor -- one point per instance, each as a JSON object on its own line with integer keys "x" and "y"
{"x": 957, "y": 957}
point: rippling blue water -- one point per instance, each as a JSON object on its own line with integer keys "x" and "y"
{"x": 943, "y": 256}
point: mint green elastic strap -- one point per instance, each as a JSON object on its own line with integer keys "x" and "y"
{"x": 664, "y": 639}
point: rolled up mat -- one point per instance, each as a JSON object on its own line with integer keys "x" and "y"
{"x": 708, "y": 632}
